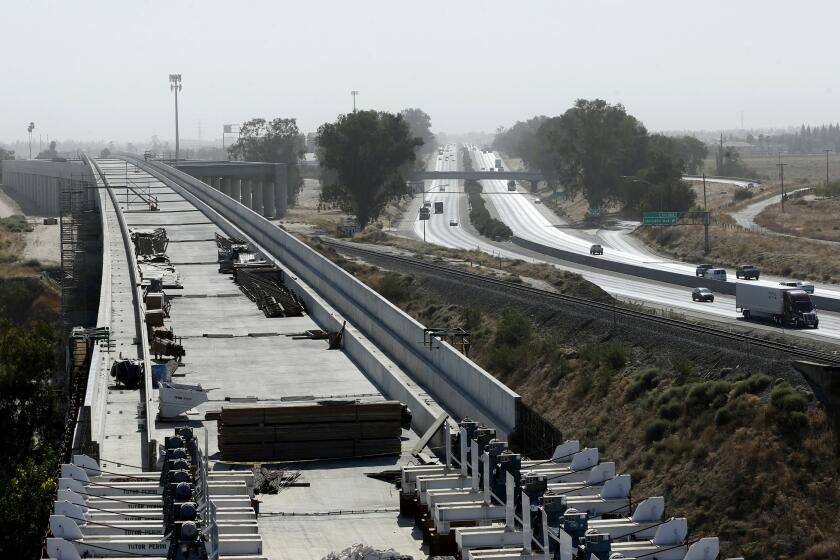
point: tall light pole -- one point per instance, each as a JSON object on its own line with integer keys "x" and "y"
{"x": 30, "y": 129}
{"x": 781, "y": 167}
{"x": 827, "y": 150}
{"x": 354, "y": 93}
{"x": 175, "y": 85}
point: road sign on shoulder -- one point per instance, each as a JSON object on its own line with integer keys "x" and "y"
{"x": 660, "y": 218}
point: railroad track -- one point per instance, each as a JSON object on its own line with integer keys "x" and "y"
{"x": 687, "y": 326}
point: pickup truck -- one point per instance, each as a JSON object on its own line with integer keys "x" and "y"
{"x": 702, "y": 268}
{"x": 747, "y": 272}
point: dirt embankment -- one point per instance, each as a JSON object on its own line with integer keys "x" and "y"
{"x": 741, "y": 454}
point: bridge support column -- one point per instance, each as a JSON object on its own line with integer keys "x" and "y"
{"x": 235, "y": 188}
{"x": 246, "y": 192}
{"x": 226, "y": 185}
{"x": 268, "y": 198}
{"x": 534, "y": 186}
{"x": 256, "y": 195}
{"x": 281, "y": 188}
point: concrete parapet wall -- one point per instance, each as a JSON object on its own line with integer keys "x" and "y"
{"x": 454, "y": 381}
{"x": 36, "y": 184}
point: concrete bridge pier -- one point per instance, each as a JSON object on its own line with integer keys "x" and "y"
{"x": 235, "y": 188}
{"x": 256, "y": 195}
{"x": 534, "y": 186}
{"x": 281, "y": 187}
{"x": 226, "y": 185}
{"x": 268, "y": 198}
{"x": 246, "y": 192}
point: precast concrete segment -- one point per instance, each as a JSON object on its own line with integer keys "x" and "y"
{"x": 451, "y": 378}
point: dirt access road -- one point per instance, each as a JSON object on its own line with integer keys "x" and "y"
{"x": 43, "y": 242}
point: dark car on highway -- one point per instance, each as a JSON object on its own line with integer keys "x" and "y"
{"x": 747, "y": 272}
{"x": 702, "y": 268}
{"x": 596, "y": 250}
{"x": 702, "y": 294}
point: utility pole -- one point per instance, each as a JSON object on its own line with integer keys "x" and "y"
{"x": 354, "y": 93}
{"x": 826, "y": 166}
{"x": 175, "y": 85}
{"x": 782, "y": 178}
{"x": 705, "y": 209}
{"x": 30, "y": 129}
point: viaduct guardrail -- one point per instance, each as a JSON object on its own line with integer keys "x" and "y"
{"x": 454, "y": 381}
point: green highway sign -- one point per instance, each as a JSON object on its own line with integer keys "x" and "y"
{"x": 660, "y": 218}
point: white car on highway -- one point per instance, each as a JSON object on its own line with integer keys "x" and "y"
{"x": 799, "y": 284}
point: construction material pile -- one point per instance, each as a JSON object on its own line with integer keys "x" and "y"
{"x": 318, "y": 430}
{"x": 271, "y": 481}
{"x": 150, "y": 242}
{"x": 264, "y": 286}
{"x": 363, "y": 552}
{"x": 258, "y": 279}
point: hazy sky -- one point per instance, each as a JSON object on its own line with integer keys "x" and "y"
{"x": 99, "y": 70}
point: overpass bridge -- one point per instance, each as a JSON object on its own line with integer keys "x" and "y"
{"x": 231, "y": 346}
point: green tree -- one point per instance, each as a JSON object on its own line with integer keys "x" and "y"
{"x": 368, "y": 152}
{"x": 420, "y": 124}
{"x": 693, "y": 152}
{"x": 593, "y": 145}
{"x": 658, "y": 185}
{"x": 29, "y": 419}
{"x": 276, "y": 141}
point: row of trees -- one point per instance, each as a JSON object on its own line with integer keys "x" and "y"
{"x": 607, "y": 155}
{"x": 807, "y": 140}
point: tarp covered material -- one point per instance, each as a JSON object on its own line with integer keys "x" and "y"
{"x": 363, "y": 552}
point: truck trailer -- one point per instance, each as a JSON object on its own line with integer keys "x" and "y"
{"x": 782, "y": 305}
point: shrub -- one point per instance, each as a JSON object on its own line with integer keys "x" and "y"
{"x": 642, "y": 381}
{"x": 682, "y": 367}
{"x": 513, "y": 329}
{"x": 16, "y": 223}
{"x": 656, "y": 430}
{"x": 615, "y": 355}
{"x": 471, "y": 317}
{"x": 33, "y": 263}
{"x": 787, "y": 409}
{"x": 668, "y": 236}
{"x": 7, "y": 259}
{"x": 395, "y": 287}
{"x": 670, "y": 410}
{"x": 704, "y": 395}
{"x": 741, "y": 194}
{"x": 755, "y": 383}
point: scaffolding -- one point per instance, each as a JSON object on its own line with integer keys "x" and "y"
{"x": 80, "y": 252}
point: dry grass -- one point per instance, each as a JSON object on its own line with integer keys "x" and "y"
{"x": 800, "y": 169}
{"x": 819, "y": 219}
{"x": 781, "y": 256}
{"x": 482, "y": 263}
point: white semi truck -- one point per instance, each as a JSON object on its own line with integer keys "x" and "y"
{"x": 782, "y": 305}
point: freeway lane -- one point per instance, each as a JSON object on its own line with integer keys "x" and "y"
{"x": 521, "y": 214}
{"x": 624, "y": 287}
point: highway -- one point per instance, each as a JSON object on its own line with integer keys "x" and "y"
{"x": 530, "y": 221}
